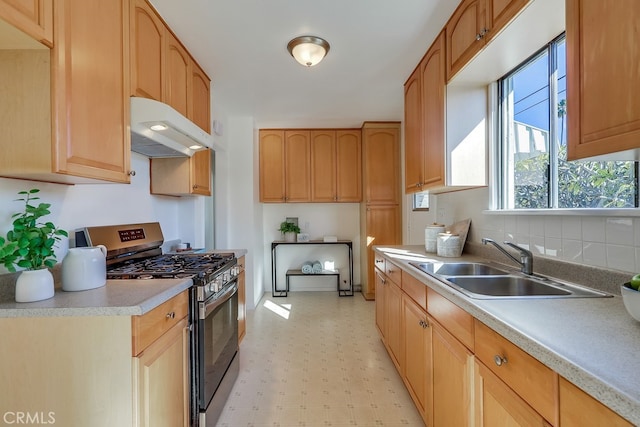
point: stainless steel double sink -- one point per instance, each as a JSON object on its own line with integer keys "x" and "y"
{"x": 484, "y": 281}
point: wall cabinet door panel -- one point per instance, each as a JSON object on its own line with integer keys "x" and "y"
{"x": 200, "y": 99}
{"x": 381, "y": 165}
{"x": 349, "y": 165}
{"x": 147, "y": 51}
{"x": 465, "y": 30}
{"x": 413, "y": 142}
{"x": 323, "y": 166}
{"x": 178, "y": 69}
{"x": 34, "y": 17}
{"x": 272, "y": 166}
{"x": 297, "y": 166}
{"x": 603, "y": 118}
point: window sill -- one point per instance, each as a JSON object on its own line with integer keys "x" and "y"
{"x": 623, "y": 212}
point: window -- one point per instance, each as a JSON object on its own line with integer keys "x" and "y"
{"x": 421, "y": 201}
{"x": 534, "y": 171}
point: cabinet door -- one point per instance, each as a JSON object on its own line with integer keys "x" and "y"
{"x": 417, "y": 357}
{"x": 349, "y": 166}
{"x": 297, "y": 167}
{"x": 452, "y": 379}
{"x": 34, "y": 17}
{"x": 381, "y": 148}
{"x": 91, "y": 104}
{"x": 272, "y": 166}
{"x": 162, "y": 380}
{"x": 178, "y": 66}
{"x": 381, "y": 283}
{"x": 432, "y": 71}
{"x": 382, "y": 227}
{"x": 147, "y": 32}
{"x": 465, "y": 34}
{"x": 242, "y": 307}
{"x": 577, "y": 408}
{"x": 200, "y": 172}
{"x": 500, "y": 13}
{"x": 498, "y": 405}
{"x": 603, "y": 78}
{"x": 323, "y": 166}
{"x": 413, "y": 145}
{"x": 393, "y": 323}
{"x": 200, "y": 98}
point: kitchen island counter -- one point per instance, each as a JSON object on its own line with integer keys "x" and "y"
{"x": 116, "y": 298}
{"x": 592, "y": 342}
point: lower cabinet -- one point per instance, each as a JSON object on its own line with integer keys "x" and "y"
{"x": 161, "y": 380}
{"x": 242, "y": 297}
{"x": 497, "y": 405}
{"x": 460, "y": 372}
{"x": 98, "y": 371}
{"x": 577, "y": 408}
{"x": 452, "y": 379}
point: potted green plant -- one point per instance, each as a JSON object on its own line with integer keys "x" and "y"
{"x": 290, "y": 231}
{"x": 29, "y": 245}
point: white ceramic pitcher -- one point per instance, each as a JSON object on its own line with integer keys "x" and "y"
{"x": 84, "y": 268}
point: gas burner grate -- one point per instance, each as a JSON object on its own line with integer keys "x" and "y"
{"x": 170, "y": 266}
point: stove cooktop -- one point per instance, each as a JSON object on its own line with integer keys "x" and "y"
{"x": 172, "y": 266}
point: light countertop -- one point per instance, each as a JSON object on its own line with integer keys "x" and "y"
{"x": 592, "y": 342}
{"x": 116, "y": 298}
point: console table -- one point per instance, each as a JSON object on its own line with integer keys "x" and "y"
{"x": 278, "y": 292}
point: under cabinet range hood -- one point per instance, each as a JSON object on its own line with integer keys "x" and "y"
{"x": 157, "y": 130}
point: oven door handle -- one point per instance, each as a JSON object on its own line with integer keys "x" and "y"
{"x": 206, "y": 309}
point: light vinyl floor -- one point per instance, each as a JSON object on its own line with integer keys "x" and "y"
{"x": 316, "y": 359}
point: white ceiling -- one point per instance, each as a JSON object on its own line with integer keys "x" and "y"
{"x": 241, "y": 44}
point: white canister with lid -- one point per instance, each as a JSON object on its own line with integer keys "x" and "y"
{"x": 84, "y": 268}
{"x": 448, "y": 245}
{"x": 431, "y": 236}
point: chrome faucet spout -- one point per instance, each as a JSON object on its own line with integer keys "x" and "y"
{"x": 526, "y": 257}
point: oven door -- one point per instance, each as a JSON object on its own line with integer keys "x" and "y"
{"x": 217, "y": 342}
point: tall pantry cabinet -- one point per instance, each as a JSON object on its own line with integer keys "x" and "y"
{"x": 380, "y": 212}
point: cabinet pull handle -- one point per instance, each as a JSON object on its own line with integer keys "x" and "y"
{"x": 171, "y": 315}
{"x": 423, "y": 323}
{"x": 378, "y": 261}
{"x": 499, "y": 360}
{"x": 195, "y": 186}
{"x": 132, "y": 173}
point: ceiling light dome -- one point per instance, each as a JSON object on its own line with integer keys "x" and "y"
{"x": 308, "y": 50}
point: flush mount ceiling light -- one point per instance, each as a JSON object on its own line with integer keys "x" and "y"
{"x": 308, "y": 50}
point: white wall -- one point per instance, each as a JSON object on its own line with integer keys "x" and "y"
{"x": 319, "y": 220}
{"x": 76, "y": 206}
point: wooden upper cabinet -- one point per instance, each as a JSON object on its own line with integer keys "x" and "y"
{"x": 349, "y": 165}
{"x": 297, "y": 165}
{"x": 425, "y": 121}
{"x": 200, "y": 102}
{"x": 603, "y": 79}
{"x": 147, "y": 32}
{"x": 500, "y": 13}
{"x": 33, "y": 17}
{"x": 465, "y": 34}
{"x": 433, "y": 79}
{"x": 413, "y": 143}
{"x": 272, "y": 166}
{"x": 323, "y": 166}
{"x": 91, "y": 104}
{"x": 381, "y": 169}
{"x": 473, "y": 24}
{"x": 178, "y": 69}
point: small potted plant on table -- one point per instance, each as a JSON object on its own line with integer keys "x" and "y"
{"x": 290, "y": 231}
{"x": 29, "y": 245}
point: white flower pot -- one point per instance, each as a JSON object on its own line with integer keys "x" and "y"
{"x": 289, "y": 236}
{"x": 34, "y": 285}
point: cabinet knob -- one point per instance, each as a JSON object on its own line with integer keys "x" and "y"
{"x": 499, "y": 360}
{"x": 378, "y": 261}
{"x": 171, "y": 315}
{"x": 423, "y": 323}
{"x": 132, "y": 173}
{"x": 195, "y": 186}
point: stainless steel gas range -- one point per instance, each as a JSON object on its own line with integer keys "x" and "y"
{"x": 134, "y": 252}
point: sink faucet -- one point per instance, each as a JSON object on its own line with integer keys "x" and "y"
{"x": 526, "y": 257}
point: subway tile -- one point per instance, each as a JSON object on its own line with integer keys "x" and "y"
{"x": 593, "y": 229}
{"x": 553, "y": 247}
{"x": 571, "y": 228}
{"x": 594, "y": 253}
{"x": 553, "y": 226}
{"x": 619, "y": 231}
{"x": 510, "y": 227}
{"x": 523, "y": 225}
{"x": 537, "y": 245}
{"x": 536, "y": 226}
{"x": 621, "y": 257}
{"x": 572, "y": 250}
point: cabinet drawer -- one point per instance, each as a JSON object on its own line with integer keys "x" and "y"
{"x": 415, "y": 289}
{"x": 454, "y": 319}
{"x": 393, "y": 272}
{"x": 534, "y": 382}
{"x": 380, "y": 262}
{"x": 149, "y": 327}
